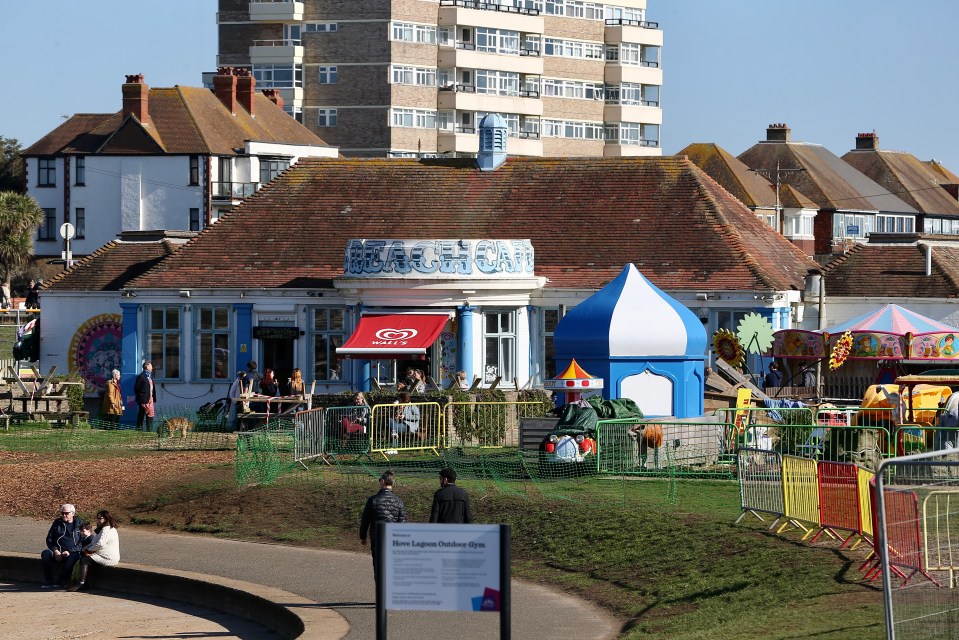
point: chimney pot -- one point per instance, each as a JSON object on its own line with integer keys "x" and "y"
{"x": 274, "y": 96}
{"x": 224, "y": 87}
{"x": 245, "y": 89}
{"x": 136, "y": 98}
{"x": 867, "y": 140}
{"x": 779, "y": 132}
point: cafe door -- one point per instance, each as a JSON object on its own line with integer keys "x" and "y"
{"x": 276, "y": 350}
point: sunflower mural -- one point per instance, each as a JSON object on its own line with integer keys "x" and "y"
{"x": 728, "y": 347}
{"x": 841, "y": 351}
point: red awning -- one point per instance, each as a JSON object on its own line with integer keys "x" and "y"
{"x": 393, "y": 336}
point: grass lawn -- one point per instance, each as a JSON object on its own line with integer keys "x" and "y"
{"x": 667, "y": 560}
{"x": 8, "y": 336}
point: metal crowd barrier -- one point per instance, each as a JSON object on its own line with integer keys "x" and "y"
{"x": 414, "y": 426}
{"x": 309, "y": 435}
{"x": 761, "y": 483}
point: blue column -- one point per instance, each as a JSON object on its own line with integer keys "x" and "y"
{"x": 131, "y": 359}
{"x": 464, "y": 340}
{"x": 365, "y": 371}
{"x": 244, "y": 334}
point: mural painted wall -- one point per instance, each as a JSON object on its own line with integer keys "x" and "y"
{"x": 95, "y": 350}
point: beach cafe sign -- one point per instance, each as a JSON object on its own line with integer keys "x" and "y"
{"x": 393, "y": 258}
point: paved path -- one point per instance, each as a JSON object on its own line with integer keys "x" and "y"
{"x": 57, "y": 615}
{"x": 339, "y": 580}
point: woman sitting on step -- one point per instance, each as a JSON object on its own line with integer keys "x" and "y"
{"x": 104, "y": 549}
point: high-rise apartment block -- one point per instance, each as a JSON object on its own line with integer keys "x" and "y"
{"x": 383, "y": 78}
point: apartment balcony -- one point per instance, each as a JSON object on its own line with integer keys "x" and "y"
{"x": 644, "y": 73}
{"x": 472, "y": 13}
{"x": 233, "y": 190}
{"x": 614, "y": 149}
{"x": 465, "y": 56}
{"x": 465, "y": 98}
{"x": 466, "y": 140}
{"x": 276, "y": 52}
{"x": 646, "y": 113}
{"x": 636, "y": 31}
{"x": 276, "y": 11}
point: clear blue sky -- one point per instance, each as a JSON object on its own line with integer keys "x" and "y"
{"x": 828, "y": 68}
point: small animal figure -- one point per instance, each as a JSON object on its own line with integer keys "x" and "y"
{"x": 173, "y": 425}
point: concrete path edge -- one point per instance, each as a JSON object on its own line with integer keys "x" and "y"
{"x": 287, "y": 614}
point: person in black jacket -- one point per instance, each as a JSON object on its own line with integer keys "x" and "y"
{"x": 382, "y": 506}
{"x": 145, "y": 393}
{"x": 64, "y": 542}
{"x": 450, "y": 503}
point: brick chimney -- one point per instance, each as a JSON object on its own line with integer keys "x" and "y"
{"x": 224, "y": 87}
{"x": 868, "y": 141}
{"x": 274, "y": 96}
{"x": 136, "y": 98}
{"x": 778, "y": 133}
{"x": 245, "y": 84}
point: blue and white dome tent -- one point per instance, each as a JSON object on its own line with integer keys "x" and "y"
{"x": 646, "y": 345}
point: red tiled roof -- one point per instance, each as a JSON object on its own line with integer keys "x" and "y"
{"x": 894, "y": 271}
{"x": 749, "y": 187}
{"x": 906, "y": 176}
{"x": 183, "y": 120}
{"x": 112, "y": 266}
{"x": 585, "y": 218}
{"x": 83, "y": 129}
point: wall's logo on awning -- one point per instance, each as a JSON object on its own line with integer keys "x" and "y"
{"x": 394, "y": 336}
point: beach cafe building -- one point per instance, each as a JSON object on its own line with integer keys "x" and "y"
{"x": 353, "y": 269}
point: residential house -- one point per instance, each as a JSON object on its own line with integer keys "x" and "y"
{"x": 175, "y": 158}
{"x": 915, "y": 182}
{"x": 851, "y": 206}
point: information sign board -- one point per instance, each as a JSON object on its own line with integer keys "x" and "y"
{"x": 442, "y": 567}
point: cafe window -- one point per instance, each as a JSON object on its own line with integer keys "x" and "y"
{"x": 499, "y": 346}
{"x": 549, "y": 318}
{"x": 163, "y": 341}
{"x": 327, "y": 332}
{"x": 212, "y": 329}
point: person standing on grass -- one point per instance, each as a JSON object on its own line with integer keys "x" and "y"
{"x": 145, "y": 393}
{"x": 451, "y": 504}
{"x": 382, "y": 506}
{"x": 63, "y": 546}
{"x": 112, "y": 406}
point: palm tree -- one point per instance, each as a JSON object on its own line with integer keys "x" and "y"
{"x": 20, "y": 216}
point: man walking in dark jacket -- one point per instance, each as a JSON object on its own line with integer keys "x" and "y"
{"x": 145, "y": 393}
{"x": 382, "y": 506}
{"x": 63, "y": 546}
{"x": 450, "y": 503}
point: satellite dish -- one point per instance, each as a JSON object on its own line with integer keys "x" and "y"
{"x": 67, "y": 231}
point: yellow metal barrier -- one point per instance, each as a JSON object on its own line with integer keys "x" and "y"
{"x": 489, "y": 424}
{"x": 800, "y": 495}
{"x": 414, "y": 426}
{"x": 863, "y": 477}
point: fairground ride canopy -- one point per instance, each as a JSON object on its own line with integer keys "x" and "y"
{"x": 888, "y": 333}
